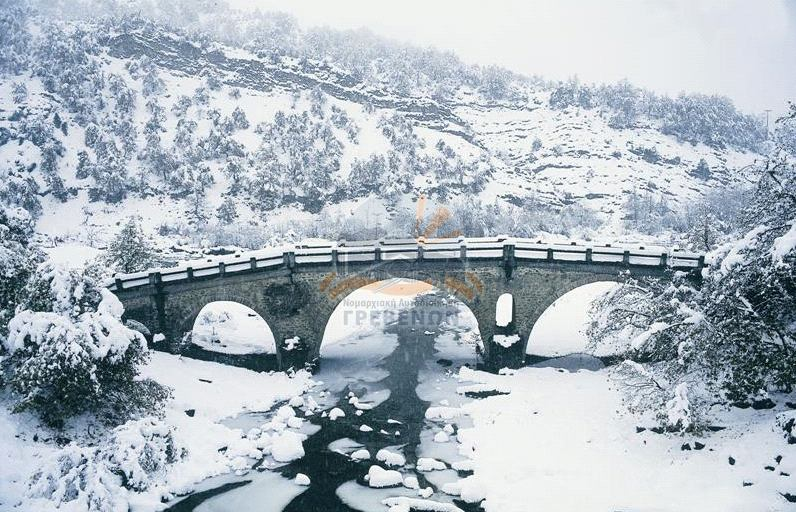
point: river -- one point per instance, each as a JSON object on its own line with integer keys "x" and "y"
{"x": 384, "y": 381}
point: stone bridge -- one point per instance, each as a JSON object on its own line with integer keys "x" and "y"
{"x": 295, "y": 289}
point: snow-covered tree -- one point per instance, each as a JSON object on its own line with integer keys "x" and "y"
{"x": 50, "y": 154}
{"x": 706, "y": 231}
{"x": 213, "y": 82}
{"x": 69, "y": 352}
{"x": 201, "y": 97}
{"x": 227, "y": 212}
{"x": 236, "y": 172}
{"x": 109, "y": 171}
{"x": 130, "y": 250}
{"x": 495, "y": 82}
{"x": 317, "y": 102}
{"x": 736, "y": 333}
{"x": 19, "y": 93}
{"x": 296, "y": 161}
{"x": 152, "y": 84}
{"x": 19, "y": 189}
{"x": 239, "y": 120}
{"x": 702, "y": 170}
{"x": 18, "y": 261}
{"x": 15, "y": 39}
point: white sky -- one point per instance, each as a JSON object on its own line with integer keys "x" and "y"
{"x": 745, "y": 49}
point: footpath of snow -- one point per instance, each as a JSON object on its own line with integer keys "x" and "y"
{"x": 565, "y": 441}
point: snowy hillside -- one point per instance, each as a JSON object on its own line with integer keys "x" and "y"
{"x": 573, "y": 155}
{"x": 207, "y": 141}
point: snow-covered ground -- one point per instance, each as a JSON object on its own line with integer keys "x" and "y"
{"x": 553, "y": 437}
{"x": 563, "y": 441}
{"x": 204, "y": 394}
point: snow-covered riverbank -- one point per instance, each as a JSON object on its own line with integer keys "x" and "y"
{"x": 563, "y": 441}
{"x": 204, "y": 394}
{"x": 555, "y": 437}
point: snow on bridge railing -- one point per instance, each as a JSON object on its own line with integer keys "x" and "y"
{"x": 313, "y": 252}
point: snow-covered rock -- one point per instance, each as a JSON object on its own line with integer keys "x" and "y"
{"x": 410, "y": 482}
{"x": 380, "y": 477}
{"x": 390, "y": 458}
{"x": 443, "y": 413}
{"x": 287, "y": 446}
{"x": 428, "y": 464}
{"x": 361, "y": 454}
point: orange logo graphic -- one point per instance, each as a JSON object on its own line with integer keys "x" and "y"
{"x": 403, "y": 287}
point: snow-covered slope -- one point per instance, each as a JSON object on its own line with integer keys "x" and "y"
{"x": 316, "y": 146}
{"x": 580, "y": 158}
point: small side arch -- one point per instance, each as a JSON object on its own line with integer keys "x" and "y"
{"x": 184, "y": 312}
{"x": 232, "y": 328}
{"x": 561, "y": 328}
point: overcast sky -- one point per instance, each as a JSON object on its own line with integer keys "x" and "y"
{"x": 745, "y": 49}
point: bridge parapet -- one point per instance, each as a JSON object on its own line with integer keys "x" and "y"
{"x": 511, "y": 251}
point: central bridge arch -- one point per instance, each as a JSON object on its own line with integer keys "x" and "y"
{"x": 295, "y": 290}
{"x": 378, "y": 310}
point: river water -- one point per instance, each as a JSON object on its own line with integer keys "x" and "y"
{"x": 384, "y": 381}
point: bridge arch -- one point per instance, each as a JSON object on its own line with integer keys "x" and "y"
{"x": 560, "y": 329}
{"x": 182, "y": 312}
{"x": 544, "y": 290}
{"x": 383, "y": 303}
{"x": 231, "y": 327}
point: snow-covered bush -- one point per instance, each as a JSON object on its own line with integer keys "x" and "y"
{"x": 736, "y": 330}
{"x": 678, "y": 409}
{"x": 72, "y": 476}
{"x": 136, "y": 456}
{"x": 140, "y": 452}
{"x": 18, "y": 261}
{"x": 69, "y": 351}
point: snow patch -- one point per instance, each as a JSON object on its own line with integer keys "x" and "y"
{"x": 504, "y": 310}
